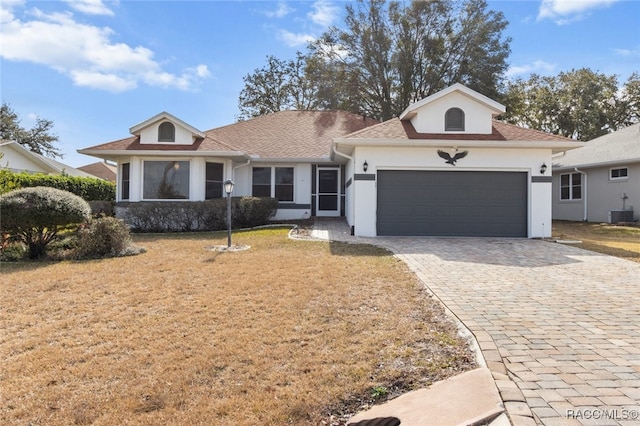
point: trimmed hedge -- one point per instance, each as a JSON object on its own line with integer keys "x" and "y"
{"x": 89, "y": 189}
{"x": 210, "y": 215}
{"x": 35, "y": 216}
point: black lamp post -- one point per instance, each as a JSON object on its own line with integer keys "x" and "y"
{"x": 228, "y": 188}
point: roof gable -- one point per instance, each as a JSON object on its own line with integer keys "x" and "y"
{"x": 455, "y": 110}
{"x": 164, "y": 116}
{"x": 30, "y": 161}
{"x": 496, "y": 107}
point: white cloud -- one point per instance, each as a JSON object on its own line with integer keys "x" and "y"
{"x": 627, "y": 52}
{"x": 293, "y": 39}
{"x": 104, "y": 81}
{"x": 566, "y": 11}
{"x": 86, "y": 53}
{"x": 324, "y": 13}
{"x": 90, "y": 7}
{"x": 535, "y": 67}
{"x": 282, "y": 11}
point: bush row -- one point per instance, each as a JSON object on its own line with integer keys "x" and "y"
{"x": 210, "y": 215}
{"x": 89, "y": 189}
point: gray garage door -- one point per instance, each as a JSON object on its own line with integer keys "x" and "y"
{"x": 479, "y": 204}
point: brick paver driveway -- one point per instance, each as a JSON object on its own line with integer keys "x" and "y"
{"x": 564, "y": 323}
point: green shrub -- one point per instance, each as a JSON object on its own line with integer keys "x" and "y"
{"x": 103, "y": 237}
{"x": 210, "y": 215}
{"x": 90, "y": 189}
{"x": 35, "y": 216}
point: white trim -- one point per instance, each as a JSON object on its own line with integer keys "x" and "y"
{"x": 163, "y": 116}
{"x": 555, "y": 146}
{"x": 496, "y": 107}
{"x": 619, "y": 178}
{"x": 328, "y": 213}
{"x": 571, "y": 186}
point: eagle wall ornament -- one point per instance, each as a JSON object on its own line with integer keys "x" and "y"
{"x": 452, "y": 160}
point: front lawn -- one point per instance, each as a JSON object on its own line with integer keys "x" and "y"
{"x": 288, "y": 332}
{"x": 614, "y": 240}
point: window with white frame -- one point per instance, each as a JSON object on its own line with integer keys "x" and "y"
{"x": 213, "y": 184}
{"x": 571, "y": 186}
{"x": 619, "y": 173}
{"x": 165, "y": 180}
{"x": 277, "y": 182}
{"x": 124, "y": 181}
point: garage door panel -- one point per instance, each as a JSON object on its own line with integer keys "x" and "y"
{"x": 459, "y": 203}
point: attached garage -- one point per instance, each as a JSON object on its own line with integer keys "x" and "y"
{"x": 452, "y": 203}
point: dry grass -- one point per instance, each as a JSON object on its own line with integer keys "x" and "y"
{"x": 619, "y": 241}
{"x": 289, "y": 332}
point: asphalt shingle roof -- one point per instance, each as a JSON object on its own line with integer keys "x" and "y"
{"x": 282, "y": 135}
{"x": 404, "y": 130}
{"x": 309, "y": 134}
{"x": 620, "y": 146}
{"x": 291, "y": 134}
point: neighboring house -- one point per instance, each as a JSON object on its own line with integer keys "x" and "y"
{"x": 17, "y": 158}
{"x": 599, "y": 182}
{"x": 102, "y": 170}
{"x": 444, "y": 167}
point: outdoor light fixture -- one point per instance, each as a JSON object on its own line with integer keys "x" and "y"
{"x": 365, "y": 166}
{"x": 228, "y": 188}
{"x": 543, "y": 168}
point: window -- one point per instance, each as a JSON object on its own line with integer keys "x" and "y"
{"x": 454, "y": 120}
{"x": 261, "y": 182}
{"x": 124, "y": 181}
{"x": 618, "y": 174}
{"x": 213, "y": 181}
{"x": 166, "y": 132}
{"x": 284, "y": 183}
{"x": 165, "y": 180}
{"x": 273, "y": 182}
{"x": 571, "y": 186}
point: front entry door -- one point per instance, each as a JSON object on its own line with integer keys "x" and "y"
{"x": 328, "y": 190}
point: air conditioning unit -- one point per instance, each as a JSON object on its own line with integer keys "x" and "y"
{"x": 617, "y": 216}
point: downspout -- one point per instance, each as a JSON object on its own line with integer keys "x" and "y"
{"x": 584, "y": 219}
{"x": 233, "y": 170}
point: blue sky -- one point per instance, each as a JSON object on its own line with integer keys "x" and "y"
{"x": 98, "y": 67}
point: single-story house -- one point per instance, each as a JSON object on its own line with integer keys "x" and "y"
{"x": 101, "y": 170}
{"x": 18, "y": 158}
{"x": 599, "y": 182}
{"x": 444, "y": 167}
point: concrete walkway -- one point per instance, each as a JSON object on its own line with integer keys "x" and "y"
{"x": 558, "y": 326}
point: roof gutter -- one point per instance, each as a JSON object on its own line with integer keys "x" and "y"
{"x": 584, "y": 219}
{"x": 335, "y": 151}
{"x": 556, "y": 146}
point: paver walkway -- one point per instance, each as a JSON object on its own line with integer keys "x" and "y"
{"x": 562, "y": 323}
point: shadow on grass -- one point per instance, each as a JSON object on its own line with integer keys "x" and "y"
{"x": 338, "y": 248}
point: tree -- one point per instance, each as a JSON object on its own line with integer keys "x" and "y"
{"x": 389, "y": 55}
{"x": 280, "y": 85}
{"x": 38, "y": 139}
{"x": 579, "y": 104}
{"x": 35, "y": 216}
